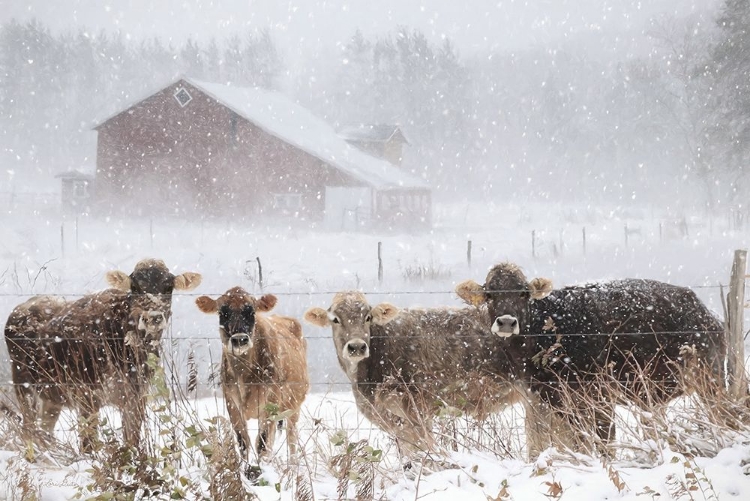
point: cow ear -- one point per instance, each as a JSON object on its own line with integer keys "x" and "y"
{"x": 206, "y": 304}
{"x": 187, "y": 281}
{"x": 383, "y": 313}
{"x": 317, "y": 316}
{"x": 540, "y": 288}
{"x": 471, "y": 292}
{"x": 119, "y": 280}
{"x": 266, "y": 303}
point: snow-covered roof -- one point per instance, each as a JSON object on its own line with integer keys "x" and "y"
{"x": 75, "y": 174}
{"x": 281, "y": 117}
{"x": 376, "y": 133}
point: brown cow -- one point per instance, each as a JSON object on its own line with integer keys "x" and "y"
{"x": 51, "y": 343}
{"x": 92, "y": 353}
{"x": 263, "y": 367}
{"x": 407, "y": 365}
{"x": 627, "y": 337}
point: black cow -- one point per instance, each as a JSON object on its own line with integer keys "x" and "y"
{"x": 632, "y": 338}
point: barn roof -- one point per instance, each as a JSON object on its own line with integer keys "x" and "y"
{"x": 294, "y": 124}
{"x": 374, "y": 133}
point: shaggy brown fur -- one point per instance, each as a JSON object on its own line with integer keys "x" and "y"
{"x": 93, "y": 339}
{"x": 407, "y": 365}
{"x": 90, "y": 354}
{"x": 263, "y": 366}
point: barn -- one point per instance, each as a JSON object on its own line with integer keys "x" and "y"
{"x": 204, "y": 149}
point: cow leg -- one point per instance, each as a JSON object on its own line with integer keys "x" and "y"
{"x": 266, "y": 436}
{"x": 605, "y": 428}
{"x": 239, "y": 425}
{"x": 88, "y": 428}
{"x": 49, "y": 414}
{"x": 133, "y": 414}
{"x": 291, "y": 434}
{"x": 28, "y": 401}
{"x": 547, "y": 425}
{"x": 538, "y": 423}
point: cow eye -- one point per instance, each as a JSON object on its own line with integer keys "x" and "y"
{"x": 335, "y": 320}
{"x": 368, "y": 318}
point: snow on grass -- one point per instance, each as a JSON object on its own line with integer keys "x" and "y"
{"x": 304, "y": 266}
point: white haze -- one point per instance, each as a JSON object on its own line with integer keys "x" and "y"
{"x": 547, "y": 133}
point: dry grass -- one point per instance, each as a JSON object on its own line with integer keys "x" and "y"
{"x": 184, "y": 456}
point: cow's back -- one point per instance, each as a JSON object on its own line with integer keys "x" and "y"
{"x": 87, "y": 339}
{"x": 442, "y": 353}
{"x": 627, "y": 326}
{"x": 24, "y": 335}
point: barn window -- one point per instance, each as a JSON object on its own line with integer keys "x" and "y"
{"x": 287, "y": 201}
{"x": 182, "y": 96}
{"x": 79, "y": 190}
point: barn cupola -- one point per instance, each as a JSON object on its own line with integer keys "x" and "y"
{"x": 379, "y": 140}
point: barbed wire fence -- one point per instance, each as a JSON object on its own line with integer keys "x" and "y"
{"x": 329, "y": 378}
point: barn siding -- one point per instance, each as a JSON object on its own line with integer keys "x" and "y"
{"x": 203, "y": 157}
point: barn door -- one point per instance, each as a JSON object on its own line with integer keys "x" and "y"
{"x": 347, "y": 208}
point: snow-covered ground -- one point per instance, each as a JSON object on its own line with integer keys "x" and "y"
{"x": 304, "y": 266}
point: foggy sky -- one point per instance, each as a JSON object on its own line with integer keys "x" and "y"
{"x": 304, "y": 28}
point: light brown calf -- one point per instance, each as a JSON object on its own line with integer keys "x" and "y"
{"x": 263, "y": 367}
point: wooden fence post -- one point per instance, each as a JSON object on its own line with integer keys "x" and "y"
{"x": 76, "y": 234}
{"x": 62, "y": 239}
{"x": 260, "y": 273}
{"x": 468, "y": 253}
{"x": 380, "y": 263}
{"x": 533, "y": 243}
{"x": 583, "y": 231}
{"x": 151, "y": 231}
{"x": 735, "y": 330}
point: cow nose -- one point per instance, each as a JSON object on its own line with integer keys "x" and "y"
{"x": 240, "y": 340}
{"x": 505, "y": 325}
{"x": 356, "y": 349}
{"x": 158, "y": 318}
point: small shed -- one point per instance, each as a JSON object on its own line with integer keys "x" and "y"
{"x": 76, "y": 191}
{"x": 381, "y": 140}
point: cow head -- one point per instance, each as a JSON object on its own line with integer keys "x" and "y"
{"x": 148, "y": 321}
{"x": 151, "y": 276}
{"x": 236, "y": 309}
{"x": 508, "y": 295}
{"x": 350, "y": 318}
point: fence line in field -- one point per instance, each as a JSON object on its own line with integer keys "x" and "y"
{"x": 58, "y": 339}
{"x": 333, "y": 291}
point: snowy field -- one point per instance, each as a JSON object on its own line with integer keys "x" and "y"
{"x": 305, "y": 266}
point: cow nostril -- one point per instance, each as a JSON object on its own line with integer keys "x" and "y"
{"x": 514, "y": 323}
{"x": 240, "y": 340}
{"x": 356, "y": 348}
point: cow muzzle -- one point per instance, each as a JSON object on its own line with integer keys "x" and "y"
{"x": 505, "y": 326}
{"x": 240, "y": 343}
{"x": 356, "y": 350}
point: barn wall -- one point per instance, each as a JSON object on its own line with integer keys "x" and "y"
{"x": 158, "y": 157}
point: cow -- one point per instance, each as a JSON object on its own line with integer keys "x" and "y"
{"x": 632, "y": 339}
{"x": 263, "y": 367}
{"x": 408, "y": 365}
{"x": 52, "y": 343}
{"x": 94, "y": 352}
